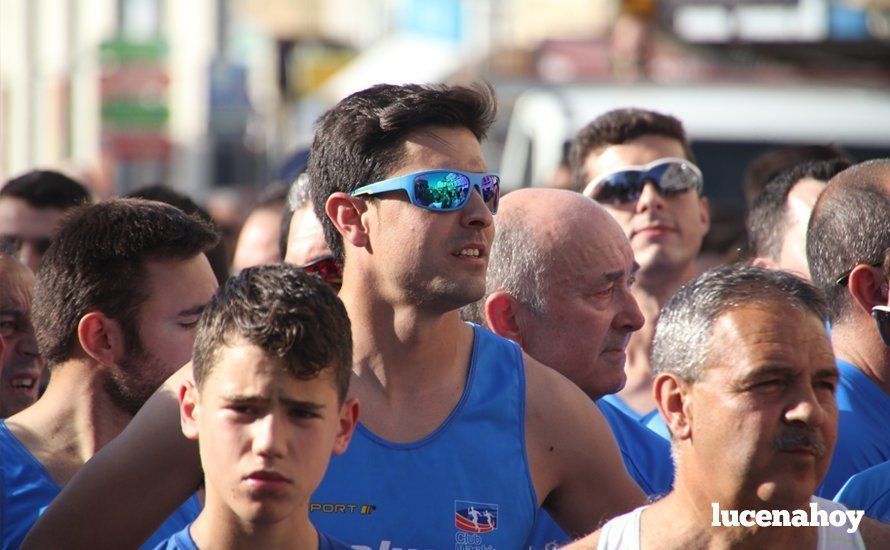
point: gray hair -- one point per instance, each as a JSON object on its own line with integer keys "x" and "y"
{"x": 516, "y": 265}
{"x": 683, "y": 343}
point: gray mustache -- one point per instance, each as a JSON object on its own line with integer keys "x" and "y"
{"x": 793, "y": 439}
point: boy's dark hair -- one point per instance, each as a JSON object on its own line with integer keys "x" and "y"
{"x": 46, "y": 189}
{"x": 361, "y": 139}
{"x": 97, "y": 262}
{"x": 768, "y": 217}
{"x": 218, "y": 255}
{"x": 620, "y": 126}
{"x": 769, "y": 164}
{"x": 849, "y": 226}
{"x": 291, "y": 315}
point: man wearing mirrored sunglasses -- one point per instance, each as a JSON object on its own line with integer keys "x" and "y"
{"x": 847, "y": 237}
{"x": 462, "y": 437}
{"x": 639, "y": 166}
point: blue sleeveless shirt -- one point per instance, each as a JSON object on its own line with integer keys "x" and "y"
{"x": 27, "y": 489}
{"x": 466, "y": 486}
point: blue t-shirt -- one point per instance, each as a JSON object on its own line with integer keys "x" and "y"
{"x": 863, "y": 431}
{"x": 467, "y": 484}
{"x": 869, "y": 491}
{"x": 27, "y": 490}
{"x": 182, "y": 540}
{"x": 646, "y": 456}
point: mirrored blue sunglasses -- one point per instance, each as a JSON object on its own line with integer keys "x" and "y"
{"x": 440, "y": 190}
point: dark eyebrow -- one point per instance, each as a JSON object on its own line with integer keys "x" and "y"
{"x": 13, "y": 312}
{"x": 245, "y": 399}
{"x": 192, "y": 311}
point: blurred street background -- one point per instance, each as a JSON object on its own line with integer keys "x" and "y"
{"x": 212, "y": 97}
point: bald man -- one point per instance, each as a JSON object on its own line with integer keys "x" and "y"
{"x": 558, "y": 284}
{"x": 22, "y": 366}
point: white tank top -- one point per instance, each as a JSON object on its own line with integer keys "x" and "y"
{"x": 623, "y": 532}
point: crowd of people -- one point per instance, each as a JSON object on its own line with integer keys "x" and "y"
{"x": 404, "y": 358}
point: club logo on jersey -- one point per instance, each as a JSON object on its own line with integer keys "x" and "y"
{"x": 475, "y": 517}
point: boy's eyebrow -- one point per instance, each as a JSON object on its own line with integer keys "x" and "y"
{"x": 237, "y": 399}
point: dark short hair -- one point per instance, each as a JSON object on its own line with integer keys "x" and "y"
{"x": 97, "y": 262}
{"x": 769, "y": 164}
{"x": 361, "y": 140}
{"x": 683, "y": 345}
{"x": 46, "y": 189}
{"x": 293, "y": 316}
{"x": 620, "y": 126}
{"x": 849, "y": 225}
{"x": 768, "y": 218}
{"x": 218, "y": 255}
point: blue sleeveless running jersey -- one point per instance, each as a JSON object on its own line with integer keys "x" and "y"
{"x": 863, "y": 428}
{"x": 26, "y": 490}
{"x": 465, "y": 486}
{"x": 182, "y": 540}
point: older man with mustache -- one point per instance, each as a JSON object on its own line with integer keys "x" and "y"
{"x": 745, "y": 380}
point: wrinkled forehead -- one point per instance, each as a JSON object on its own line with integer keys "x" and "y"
{"x": 587, "y": 252}
{"x": 768, "y": 335}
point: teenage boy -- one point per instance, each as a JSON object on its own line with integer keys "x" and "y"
{"x": 268, "y": 407}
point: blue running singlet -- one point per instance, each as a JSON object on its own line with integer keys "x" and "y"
{"x": 182, "y": 540}
{"x": 870, "y": 491}
{"x": 465, "y": 486}
{"x": 27, "y": 490}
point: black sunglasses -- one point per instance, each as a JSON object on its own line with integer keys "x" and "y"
{"x": 882, "y": 317}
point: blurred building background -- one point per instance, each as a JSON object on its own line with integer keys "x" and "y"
{"x": 215, "y": 94}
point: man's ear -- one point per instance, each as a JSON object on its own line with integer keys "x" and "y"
{"x": 764, "y": 262}
{"x": 501, "y": 310}
{"x": 102, "y": 338}
{"x": 346, "y": 213}
{"x": 673, "y": 399}
{"x": 349, "y": 412}
{"x": 189, "y": 409}
{"x": 704, "y": 212}
{"x": 868, "y": 287}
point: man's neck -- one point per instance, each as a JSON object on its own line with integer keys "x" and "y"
{"x": 218, "y": 527}
{"x": 410, "y": 366}
{"x": 651, "y": 295}
{"x": 71, "y": 422}
{"x": 856, "y": 342}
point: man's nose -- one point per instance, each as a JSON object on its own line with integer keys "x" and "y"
{"x": 650, "y": 198}
{"x": 476, "y": 213}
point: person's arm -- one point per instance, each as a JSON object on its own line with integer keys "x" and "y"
{"x": 128, "y": 489}
{"x": 874, "y": 533}
{"x": 575, "y": 462}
